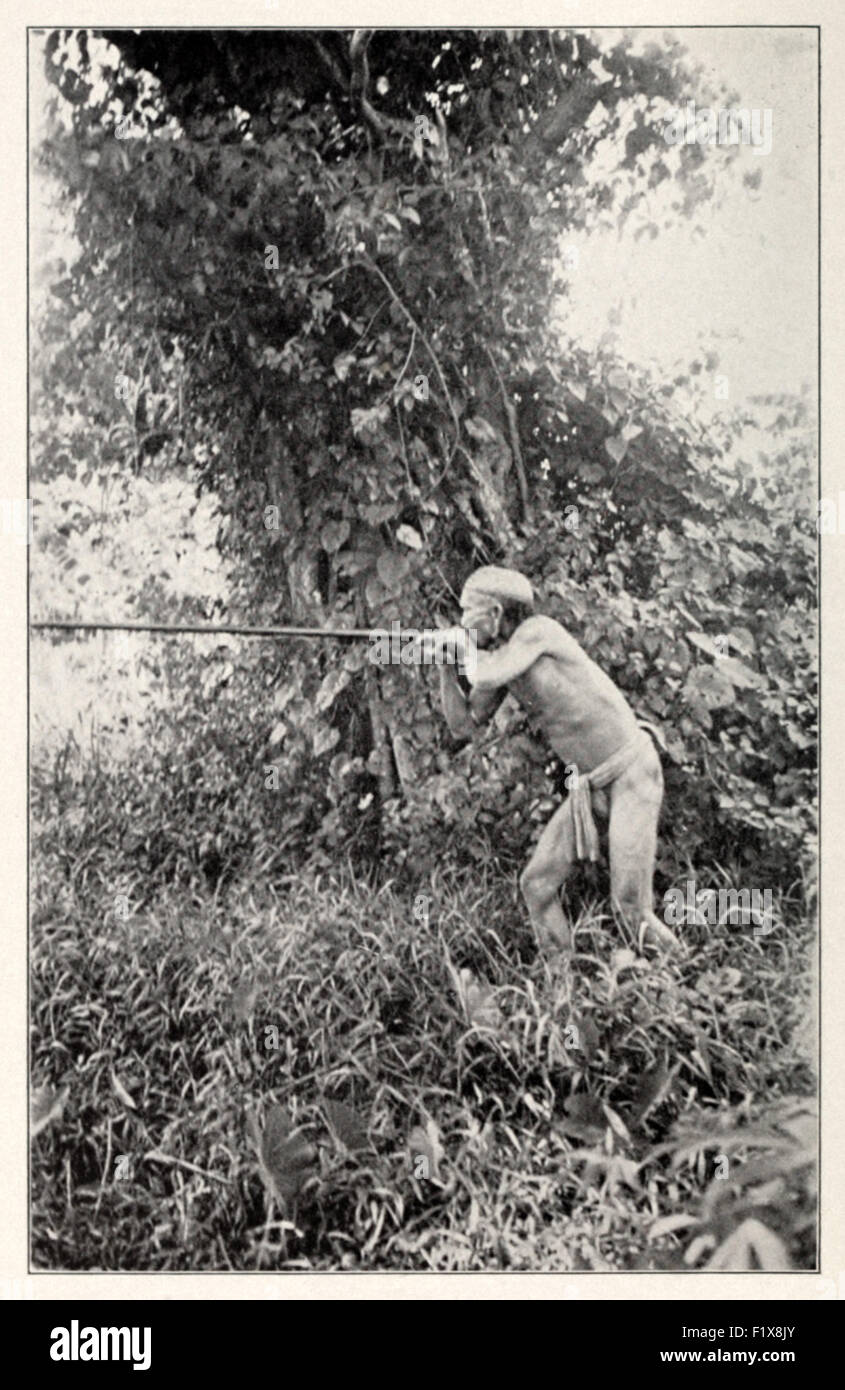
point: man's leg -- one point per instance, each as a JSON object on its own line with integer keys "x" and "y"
{"x": 544, "y": 875}
{"x": 635, "y": 800}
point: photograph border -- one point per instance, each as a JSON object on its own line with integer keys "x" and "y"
{"x": 39, "y": 1283}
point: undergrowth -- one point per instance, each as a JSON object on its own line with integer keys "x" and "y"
{"x": 331, "y": 1073}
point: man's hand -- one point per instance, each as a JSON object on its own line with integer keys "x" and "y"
{"x": 492, "y": 670}
{"x": 447, "y": 646}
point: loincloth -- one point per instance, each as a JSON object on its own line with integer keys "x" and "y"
{"x": 580, "y": 799}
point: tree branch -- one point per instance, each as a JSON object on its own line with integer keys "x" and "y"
{"x": 555, "y": 63}
{"x": 371, "y": 265}
{"x": 331, "y": 66}
{"x": 360, "y": 81}
{"x": 513, "y": 431}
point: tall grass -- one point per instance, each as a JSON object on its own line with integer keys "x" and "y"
{"x": 498, "y": 1113}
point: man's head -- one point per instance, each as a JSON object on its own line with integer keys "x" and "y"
{"x": 494, "y": 601}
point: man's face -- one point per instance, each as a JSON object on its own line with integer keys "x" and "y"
{"x": 484, "y": 617}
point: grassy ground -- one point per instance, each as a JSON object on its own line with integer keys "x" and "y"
{"x": 425, "y": 1093}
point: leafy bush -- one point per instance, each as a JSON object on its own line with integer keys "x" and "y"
{"x": 356, "y": 357}
{"x": 758, "y": 1213}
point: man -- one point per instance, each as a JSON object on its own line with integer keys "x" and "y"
{"x": 592, "y": 729}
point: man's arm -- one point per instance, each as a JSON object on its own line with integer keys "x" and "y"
{"x": 484, "y": 703}
{"x": 490, "y": 671}
{"x": 464, "y": 712}
{"x": 454, "y": 703}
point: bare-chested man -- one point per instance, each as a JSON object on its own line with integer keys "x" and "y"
{"x": 592, "y": 729}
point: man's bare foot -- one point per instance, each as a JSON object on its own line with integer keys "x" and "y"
{"x": 654, "y": 933}
{"x": 555, "y": 943}
{"x": 555, "y": 952}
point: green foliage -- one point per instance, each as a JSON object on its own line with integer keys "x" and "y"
{"x": 290, "y": 1058}
{"x": 325, "y": 270}
{"x": 763, "y": 1202}
{"x": 206, "y": 799}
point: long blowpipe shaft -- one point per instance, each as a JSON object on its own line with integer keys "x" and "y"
{"x": 205, "y": 629}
